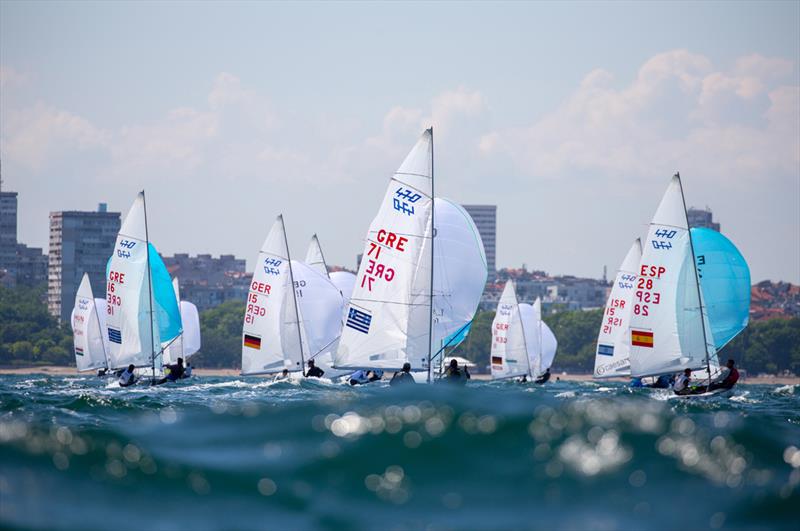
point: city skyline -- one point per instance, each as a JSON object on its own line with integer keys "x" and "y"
{"x": 574, "y": 147}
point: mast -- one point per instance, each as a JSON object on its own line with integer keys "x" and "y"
{"x": 433, "y": 237}
{"x": 696, "y": 278}
{"x": 294, "y": 297}
{"x": 149, "y": 294}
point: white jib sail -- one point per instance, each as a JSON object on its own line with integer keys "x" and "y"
{"x": 460, "y": 272}
{"x": 175, "y": 348}
{"x": 509, "y": 354}
{"x": 530, "y": 316}
{"x": 90, "y": 352}
{"x": 549, "y": 346}
{"x": 270, "y": 341}
{"x": 667, "y": 333}
{"x": 314, "y": 257}
{"x": 191, "y": 329}
{"x": 612, "y": 357}
{"x": 132, "y": 336}
{"x": 388, "y": 318}
{"x": 321, "y": 305}
{"x": 101, "y": 305}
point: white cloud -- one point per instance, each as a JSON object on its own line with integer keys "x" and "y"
{"x": 679, "y": 111}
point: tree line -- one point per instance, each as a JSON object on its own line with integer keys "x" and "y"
{"x": 29, "y": 335}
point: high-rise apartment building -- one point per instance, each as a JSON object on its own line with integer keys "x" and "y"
{"x": 701, "y": 217}
{"x": 485, "y": 218}
{"x": 80, "y": 242}
{"x": 8, "y": 235}
{"x": 207, "y": 281}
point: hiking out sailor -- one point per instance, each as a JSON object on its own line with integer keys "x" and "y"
{"x": 662, "y": 382}
{"x": 173, "y": 373}
{"x": 681, "y": 386}
{"x": 730, "y": 379}
{"x": 127, "y": 377}
{"x": 283, "y": 375}
{"x": 187, "y": 372}
{"x": 544, "y": 378}
{"x": 403, "y": 377}
{"x": 455, "y": 375}
{"x": 313, "y": 370}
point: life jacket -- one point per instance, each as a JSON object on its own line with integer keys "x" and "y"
{"x": 681, "y": 383}
{"x": 126, "y": 377}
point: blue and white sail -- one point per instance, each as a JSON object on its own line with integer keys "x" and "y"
{"x": 725, "y": 280}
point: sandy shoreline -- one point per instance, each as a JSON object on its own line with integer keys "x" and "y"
{"x": 54, "y": 370}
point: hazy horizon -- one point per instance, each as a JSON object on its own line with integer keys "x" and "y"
{"x": 571, "y": 118}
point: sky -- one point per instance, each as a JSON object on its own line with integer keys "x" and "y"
{"x": 570, "y": 117}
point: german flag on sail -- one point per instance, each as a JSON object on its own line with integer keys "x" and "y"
{"x": 640, "y": 338}
{"x": 78, "y": 351}
{"x": 252, "y": 341}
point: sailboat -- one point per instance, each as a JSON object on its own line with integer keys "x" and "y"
{"x": 142, "y": 312}
{"x": 321, "y": 306}
{"x": 189, "y": 341}
{"x": 389, "y": 319}
{"x": 612, "y": 356}
{"x": 669, "y": 325}
{"x": 271, "y": 333}
{"x": 522, "y": 344}
{"x": 87, "y": 330}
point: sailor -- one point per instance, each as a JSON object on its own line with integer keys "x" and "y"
{"x": 127, "y": 377}
{"x": 662, "y": 382}
{"x": 636, "y": 382}
{"x": 543, "y": 378}
{"x": 359, "y": 377}
{"x": 454, "y": 375}
{"x": 524, "y": 379}
{"x": 187, "y": 372}
{"x": 729, "y": 380}
{"x": 313, "y": 370}
{"x": 681, "y": 386}
{"x": 375, "y": 375}
{"x": 102, "y": 372}
{"x": 403, "y": 377}
{"x": 173, "y": 372}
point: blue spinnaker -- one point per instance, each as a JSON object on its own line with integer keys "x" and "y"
{"x": 725, "y": 281}
{"x": 167, "y": 311}
{"x": 455, "y": 339}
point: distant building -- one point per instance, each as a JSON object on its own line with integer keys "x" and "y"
{"x": 207, "y": 281}
{"x": 80, "y": 242}
{"x": 701, "y": 218}
{"x": 485, "y": 218}
{"x": 8, "y": 236}
{"x": 561, "y": 292}
{"x": 31, "y": 266}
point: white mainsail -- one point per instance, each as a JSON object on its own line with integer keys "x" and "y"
{"x": 460, "y": 273}
{"x": 531, "y": 317}
{"x": 509, "y": 354}
{"x": 315, "y": 258}
{"x": 90, "y": 352}
{"x": 271, "y": 333}
{"x": 612, "y": 357}
{"x": 388, "y": 321}
{"x": 133, "y": 338}
{"x": 669, "y": 330}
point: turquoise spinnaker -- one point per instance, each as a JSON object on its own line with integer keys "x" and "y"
{"x": 167, "y": 311}
{"x": 725, "y": 281}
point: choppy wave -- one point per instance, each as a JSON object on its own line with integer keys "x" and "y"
{"x": 245, "y": 453}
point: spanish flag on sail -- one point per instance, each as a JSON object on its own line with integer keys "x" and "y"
{"x": 640, "y": 338}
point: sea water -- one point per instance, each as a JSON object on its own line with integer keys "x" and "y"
{"x": 243, "y": 453}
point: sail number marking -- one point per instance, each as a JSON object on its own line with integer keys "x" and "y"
{"x": 376, "y": 270}
{"x": 644, "y": 288}
{"x": 402, "y": 198}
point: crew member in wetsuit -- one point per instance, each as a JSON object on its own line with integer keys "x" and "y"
{"x": 403, "y": 377}
{"x": 681, "y": 386}
{"x": 453, "y": 374}
{"x": 127, "y": 377}
{"x": 661, "y": 383}
{"x": 544, "y": 378}
{"x": 730, "y": 379}
{"x": 284, "y": 375}
{"x": 313, "y": 370}
{"x": 187, "y": 372}
{"x": 174, "y": 373}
